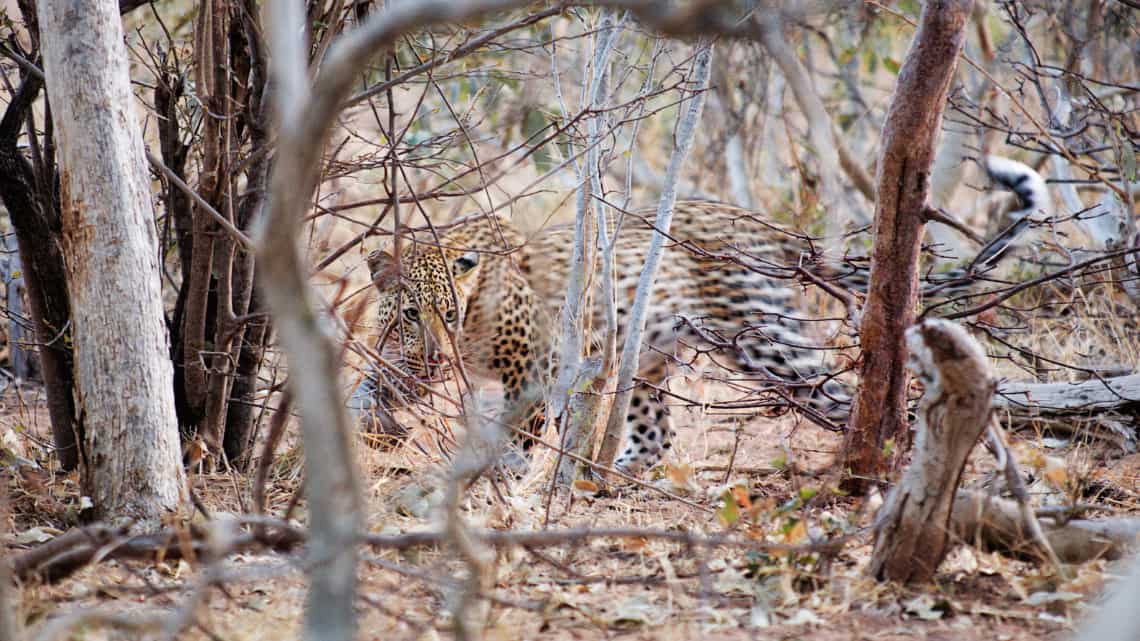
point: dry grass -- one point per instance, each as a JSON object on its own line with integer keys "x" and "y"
{"x": 627, "y": 589}
{"x": 604, "y": 588}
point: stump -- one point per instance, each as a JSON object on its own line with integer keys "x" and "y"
{"x": 912, "y": 529}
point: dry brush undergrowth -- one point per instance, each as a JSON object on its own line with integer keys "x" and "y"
{"x": 761, "y": 481}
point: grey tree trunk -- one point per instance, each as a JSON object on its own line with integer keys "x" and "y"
{"x": 631, "y": 349}
{"x": 132, "y": 463}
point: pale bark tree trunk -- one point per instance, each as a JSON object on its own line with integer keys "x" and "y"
{"x": 132, "y": 464}
{"x": 304, "y": 120}
{"x": 908, "y": 148}
{"x": 639, "y": 312}
{"x": 912, "y": 529}
{"x": 582, "y": 382}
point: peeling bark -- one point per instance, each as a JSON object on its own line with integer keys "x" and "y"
{"x": 125, "y": 380}
{"x": 912, "y": 529}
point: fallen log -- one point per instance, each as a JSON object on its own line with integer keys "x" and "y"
{"x": 995, "y": 523}
{"x": 1106, "y": 409}
{"x": 1096, "y": 395}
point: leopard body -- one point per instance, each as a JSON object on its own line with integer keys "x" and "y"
{"x": 490, "y": 295}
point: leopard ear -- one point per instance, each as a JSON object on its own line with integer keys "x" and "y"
{"x": 465, "y": 263}
{"x": 381, "y": 266}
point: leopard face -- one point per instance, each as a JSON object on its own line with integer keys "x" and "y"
{"x": 423, "y": 301}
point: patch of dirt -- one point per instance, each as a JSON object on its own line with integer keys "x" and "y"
{"x": 633, "y": 588}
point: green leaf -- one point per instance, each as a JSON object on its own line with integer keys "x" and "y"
{"x": 891, "y": 65}
{"x": 789, "y": 525}
{"x": 871, "y": 61}
{"x": 806, "y": 493}
{"x": 728, "y": 514}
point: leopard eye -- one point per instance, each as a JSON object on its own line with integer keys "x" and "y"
{"x": 411, "y": 314}
{"x": 450, "y": 316}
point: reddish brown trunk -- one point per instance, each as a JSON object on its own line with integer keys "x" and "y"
{"x": 909, "y": 142}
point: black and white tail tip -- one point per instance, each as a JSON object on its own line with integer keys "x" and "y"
{"x": 1022, "y": 180}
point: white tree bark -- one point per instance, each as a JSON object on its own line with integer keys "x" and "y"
{"x": 304, "y": 117}
{"x": 631, "y": 349}
{"x": 1070, "y": 398}
{"x": 579, "y": 388}
{"x": 132, "y": 465}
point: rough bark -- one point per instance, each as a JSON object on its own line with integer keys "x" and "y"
{"x": 124, "y": 376}
{"x": 912, "y": 533}
{"x": 908, "y": 148}
{"x": 32, "y": 207}
{"x": 178, "y": 207}
{"x": 212, "y": 256}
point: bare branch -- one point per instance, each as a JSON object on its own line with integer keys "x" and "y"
{"x": 638, "y": 316}
{"x": 304, "y": 120}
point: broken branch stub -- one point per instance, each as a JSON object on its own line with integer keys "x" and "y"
{"x": 912, "y": 533}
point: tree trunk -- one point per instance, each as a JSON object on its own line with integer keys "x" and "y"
{"x": 908, "y": 149}
{"x": 36, "y": 221}
{"x": 912, "y": 529}
{"x": 124, "y": 376}
{"x": 688, "y": 119}
{"x": 305, "y": 119}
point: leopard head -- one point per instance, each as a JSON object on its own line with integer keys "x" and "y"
{"x": 423, "y": 302}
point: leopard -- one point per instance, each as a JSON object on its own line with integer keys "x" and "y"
{"x": 488, "y": 295}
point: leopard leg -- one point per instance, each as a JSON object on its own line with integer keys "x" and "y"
{"x": 648, "y": 432}
{"x": 376, "y": 400}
